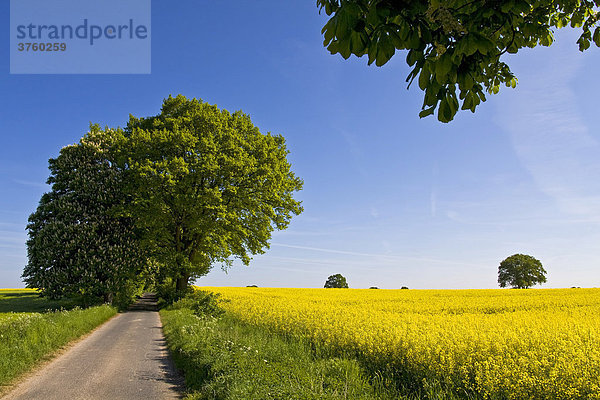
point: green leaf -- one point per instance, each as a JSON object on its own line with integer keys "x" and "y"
{"x": 412, "y": 75}
{"x": 452, "y": 102}
{"x": 481, "y": 96}
{"x": 424, "y": 79}
{"x": 346, "y": 18}
{"x": 465, "y": 81}
{"x": 431, "y": 96}
{"x": 373, "y": 48}
{"x": 328, "y": 32}
{"x": 584, "y": 43}
{"x": 576, "y": 20}
{"x": 403, "y": 31}
{"x": 412, "y": 57}
{"x": 373, "y": 17}
{"x": 469, "y": 45}
{"x": 597, "y": 36}
{"x": 385, "y": 50}
{"x": 468, "y": 102}
{"x": 483, "y": 44}
{"x": 344, "y": 49}
{"x": 442, "y": 67}
{"x": 444, "y": 112}
{"x": 358, "y": 43}
{"x": 513, "y": 48}
{"x": 414, "y": 41}
{"x": 427, "y": 112}
{"x": 334, "y": 47}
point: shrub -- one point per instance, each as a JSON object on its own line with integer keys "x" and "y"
{"x": 202, "y": 303}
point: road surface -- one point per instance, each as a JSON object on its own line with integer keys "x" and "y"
{"x": 126, "y": 358}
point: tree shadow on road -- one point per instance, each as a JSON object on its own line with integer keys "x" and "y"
{"x": 168, "y": 372}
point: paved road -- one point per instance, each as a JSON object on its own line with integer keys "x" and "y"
{"x": 126, "y": 358}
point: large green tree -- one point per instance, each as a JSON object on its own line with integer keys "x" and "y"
{"x": 78, "y": 245}
{"x": 454, "y": 46}
{"x": 206, "y": 186}
{"x": 337, "y": 281}
{"x": 521, "y": 272}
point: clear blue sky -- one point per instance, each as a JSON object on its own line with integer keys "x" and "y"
{"x": 390, "y": 200}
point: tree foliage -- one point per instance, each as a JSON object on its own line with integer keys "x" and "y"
{"x": 521, "y": 272}
{"x": 206, "y": 186}
{"x": 77, "y": 245}
{"x": 174, "y": 193}
{"x": 336, "y": 281}
{"x": 455, "y": 46}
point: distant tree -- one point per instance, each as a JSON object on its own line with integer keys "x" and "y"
{"x": 252, "y": 286}
{"x": 404, "y": 287}
{"x": 454, "y": 46}
{"x": 373, "y": 287}
{"x": 521, "y": 272}
{"x": 78, "y": 245}
{"x": 336, "y": 281}
{"x": 206, "y": 187}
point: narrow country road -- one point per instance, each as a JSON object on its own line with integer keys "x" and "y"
{"x": 126, "y": 358}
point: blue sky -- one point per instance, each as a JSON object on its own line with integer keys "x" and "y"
{"x": 390, "y": 200}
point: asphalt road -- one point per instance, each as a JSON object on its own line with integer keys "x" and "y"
{"x": 126, "y": 358}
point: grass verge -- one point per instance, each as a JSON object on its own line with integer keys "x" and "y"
{"x": 26, "y": 339}
{"x": 223, "y": 358}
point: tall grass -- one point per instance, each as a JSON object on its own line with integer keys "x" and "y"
{"x": 27, "y": 338}
{"x": 223, "y": 358}
{"x": 226, "y": 358}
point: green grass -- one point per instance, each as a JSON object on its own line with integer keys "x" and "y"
{"x": 223, "y": 358}
{"x": 30, "y": 331}
{"x": 28, "y": 300}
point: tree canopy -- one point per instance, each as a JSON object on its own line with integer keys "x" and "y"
{"x": 161, "y": 201}
{"x": 521, "y": 271}
{"x": 78, "y": 245}
{"x": 455, "y": 46}
{"x": 206, "y": 186}
{"x": 336, "y": 281}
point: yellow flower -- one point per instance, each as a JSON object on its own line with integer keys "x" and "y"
{"x": 515, "y": 344}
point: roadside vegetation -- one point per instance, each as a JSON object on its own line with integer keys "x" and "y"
{"x": 33, "y": 328}
{"x": 388, "y": 344}
{"x": 223, "y": 357}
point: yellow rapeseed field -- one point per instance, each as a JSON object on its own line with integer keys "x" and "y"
{"x": 509, "y": 344}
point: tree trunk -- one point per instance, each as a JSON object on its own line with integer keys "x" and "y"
{"x": 108, "y": 298}
{"x": 182, "y": 284}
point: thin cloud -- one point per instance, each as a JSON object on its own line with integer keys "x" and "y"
{"x": 433, "y": 202}
{"x": 373, "y": 255}
{"x": 12, "y": 225}
{"x": 13, "y": 237}
{"x": 32, "y": 184}
{"x": 550, "y": 136}
{"x": 328, "y": 262}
